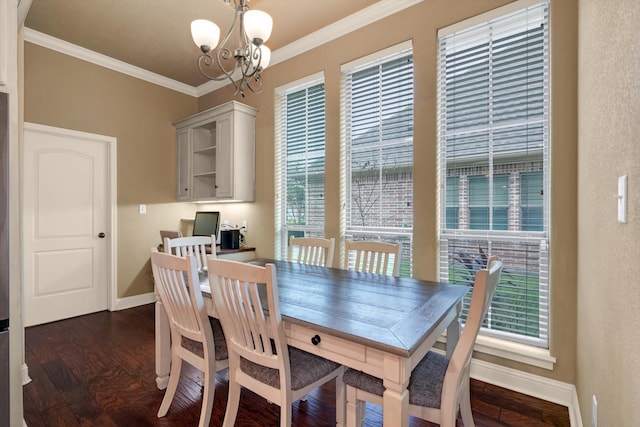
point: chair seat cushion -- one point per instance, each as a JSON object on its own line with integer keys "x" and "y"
{"x": 425, "y": 384}
{"x": 219, "y": 342}
{"x": 306, "y": 368}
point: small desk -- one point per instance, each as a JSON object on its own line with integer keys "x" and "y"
{"x": 378, "y": 324}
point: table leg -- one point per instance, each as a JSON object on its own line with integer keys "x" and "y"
{"x": 395, "y": 399}
{"x": 395, "y": 408}
{"x": 163, "y": 346}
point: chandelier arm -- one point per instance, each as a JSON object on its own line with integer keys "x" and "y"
{"x": 207, "y": 60}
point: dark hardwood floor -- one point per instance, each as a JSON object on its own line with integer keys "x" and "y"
{"x": 98, "y": 370}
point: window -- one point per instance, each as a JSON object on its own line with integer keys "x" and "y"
{"x": 377, "y": 144}
{"x": 531, "y": 201}
{"x": 300, "y": 160}
{"x": 493, "y": 139}
{"x": 452, "y": 196}
{"x": 480, "y": 217}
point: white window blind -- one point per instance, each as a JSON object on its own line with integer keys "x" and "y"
{"x": 493, "y": 142}
{"x": 377, "y": 118}
{"x": 300, "y": 161}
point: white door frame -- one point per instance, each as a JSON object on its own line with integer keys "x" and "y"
{"x": 112, "y": 280}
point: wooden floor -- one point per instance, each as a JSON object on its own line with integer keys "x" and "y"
{"x": 98, "y": 370}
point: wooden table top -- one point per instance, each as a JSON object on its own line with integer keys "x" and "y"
{"x": 388, "y": 313}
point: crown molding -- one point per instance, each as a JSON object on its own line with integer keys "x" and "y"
{"x": 353, "y": 22}
{"x": 105, "y": 61}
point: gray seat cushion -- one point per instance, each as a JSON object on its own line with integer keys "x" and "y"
{"x": 219, "y": 342}
{"x": 425, "y": 384}
{"x": 306, "y": 368}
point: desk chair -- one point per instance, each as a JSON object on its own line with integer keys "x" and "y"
{"x": 373, "y": 257}
{"x": 193, "y": 245}
{"x": 193, "y": 339}
{"x": 259, "y": 358}
{"x": 312, "y": 250}
{"x": 439, "y": 385}
{"x": 169, "y": 234}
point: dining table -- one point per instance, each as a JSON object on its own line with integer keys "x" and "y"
{"x": 379, "y": 324}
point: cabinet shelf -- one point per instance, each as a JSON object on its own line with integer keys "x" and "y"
{"x": 206, "y": 150}
{"x": 205, "y": 174}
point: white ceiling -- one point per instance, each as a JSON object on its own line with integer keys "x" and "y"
{"x": 154, "y": 35}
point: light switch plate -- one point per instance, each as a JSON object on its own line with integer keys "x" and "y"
{"x": 142, "y": 209}
{"x": 622, "y": 199}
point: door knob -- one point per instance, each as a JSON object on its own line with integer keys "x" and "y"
{"x": 101, "y": 235}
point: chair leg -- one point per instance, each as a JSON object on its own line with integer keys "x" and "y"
{"x": 207, "y": 397}
{"x": 233, "y": 401}
{"x": 172, "y": 386}
{"x": 285, "y": 413}
{"x": 465, "y": 407}
{"x": 355, "y": 409}
{"x": 341, "y": 400}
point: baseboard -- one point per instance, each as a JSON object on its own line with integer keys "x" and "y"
{"x": 26, "y": 379}
{"x": 134, "y": 301}
{"x": 533, "y": 385}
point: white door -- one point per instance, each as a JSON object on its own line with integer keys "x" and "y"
{"x": 66, "y": 223}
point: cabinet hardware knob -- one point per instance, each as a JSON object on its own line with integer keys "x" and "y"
{"x": 101, "y": 235}
{"x": 315, "y": 340}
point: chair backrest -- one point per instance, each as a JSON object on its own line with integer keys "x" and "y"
{"x": 372, "y": 257}
{"x": 177, "y": 284}
{"x": 193, "y": 245}
{"x": 312, "y": 250}
{"x": 457, "y": 372}
{"x": 244, "y": 294}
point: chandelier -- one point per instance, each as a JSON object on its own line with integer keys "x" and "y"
{"x": 244, "y": 62}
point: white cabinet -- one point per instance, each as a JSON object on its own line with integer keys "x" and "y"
{"x": 216, "y": 154}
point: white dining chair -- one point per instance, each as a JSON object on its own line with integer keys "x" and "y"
{"x": 372, "y": 257}
{"x": 191, "y": 245}
{"x": 439, "y": 385}
{"x": 193, "y": 337}
{"x": 312, "y": 250}
{"x": 246, "y": 299}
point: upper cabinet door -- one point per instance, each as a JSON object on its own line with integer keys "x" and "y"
{"x": 224, "y": 169}
{"x": 184, "y": 160}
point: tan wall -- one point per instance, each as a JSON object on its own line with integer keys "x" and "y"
{"x": 420, "y": 23}
{"x": 69, "y": 93}
{"x": 608, "y": 265}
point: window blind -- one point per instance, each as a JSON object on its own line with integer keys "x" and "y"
{"x": 377, "y": 116}
{"x": 300, "y": 161}
{"x": 493, "y": 142}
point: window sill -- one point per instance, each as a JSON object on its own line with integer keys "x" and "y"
{"x": 522, "y": 353}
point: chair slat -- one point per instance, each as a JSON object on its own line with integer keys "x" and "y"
{"x": 373, "y": 257}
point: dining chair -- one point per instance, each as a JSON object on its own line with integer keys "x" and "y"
{"x": 439, "y": 385}
{"x": 194, "y": 339}
{"x": 246, "y": 300}
{"x": 312, "y": 250}
{"x": 372, "y": 257}
{"x": 192, "y": 245}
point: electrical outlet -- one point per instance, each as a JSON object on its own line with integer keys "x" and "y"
{"x": 245, "y": 225}
{"x": 594, "y": 412}
{"x": 142, "y": 209}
